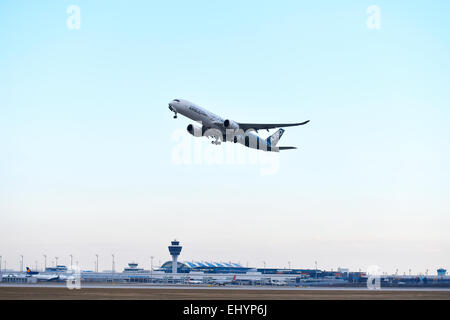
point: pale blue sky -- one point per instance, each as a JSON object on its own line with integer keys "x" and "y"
{"x": 86, "y": 137}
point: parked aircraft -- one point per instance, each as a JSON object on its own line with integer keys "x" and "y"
{"x": 193, "y": 281}
{"x": 278, "y": 282}
{"x": 222, "y": 282}
{"x": 42, "y": 277}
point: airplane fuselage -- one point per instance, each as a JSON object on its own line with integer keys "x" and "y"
{"x": 197, "y": 113}
{"x": 213, "y": 126}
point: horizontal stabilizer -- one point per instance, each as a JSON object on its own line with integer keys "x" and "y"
{"x": 286, "y": 148}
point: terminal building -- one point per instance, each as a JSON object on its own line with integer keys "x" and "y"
{"x": 206, "y": 267}
{"x": 133, "y": 267}
{"x": 56, "y": 269}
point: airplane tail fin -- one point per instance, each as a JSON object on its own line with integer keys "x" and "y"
{"x": 28, "y": 270}
{"x": 234, "y": 278}
{"x": 273, "y": 139}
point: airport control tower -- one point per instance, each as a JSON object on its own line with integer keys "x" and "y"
{"x": 175, "y": 250}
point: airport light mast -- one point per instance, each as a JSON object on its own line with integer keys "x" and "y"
{"x": 175, "y": 250}
{"x": 21, "y": 263}
{"x": 151, "y": 267}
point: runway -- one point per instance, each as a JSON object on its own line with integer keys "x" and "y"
{"x": 205, "y": 287}
{"x": 56, "y": 291}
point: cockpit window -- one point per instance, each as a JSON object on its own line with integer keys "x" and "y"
{"x": 176, "y": 100}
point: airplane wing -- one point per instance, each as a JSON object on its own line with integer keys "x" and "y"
{"x": 259, "y": 126}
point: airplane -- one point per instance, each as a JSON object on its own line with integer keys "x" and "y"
{"x": 13, "y": 276}
{"x": 191, "y": 281}
{"x": 43, "y": 277}
{"x": 228, "y": 130}
{"x": 222, "y": 282}
{"x": 278, "y": 282}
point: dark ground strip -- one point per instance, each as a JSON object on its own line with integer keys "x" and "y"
{"x": 30, "y": 293}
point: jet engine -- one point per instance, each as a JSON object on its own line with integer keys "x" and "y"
{"x": 230, "y": 124}
{"x": 196, "y": 131}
